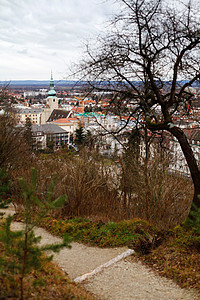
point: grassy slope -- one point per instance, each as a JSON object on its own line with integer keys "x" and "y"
{"x": 174, "y": 254}
{"x": 178, "y": 258}
{"x": 55, "y": 285}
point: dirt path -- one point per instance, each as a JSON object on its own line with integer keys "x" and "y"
{"x": 122, "y": 280}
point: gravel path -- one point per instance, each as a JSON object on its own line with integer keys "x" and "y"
{"x": 128, "y": 280}
{"x": 121, "y": 281}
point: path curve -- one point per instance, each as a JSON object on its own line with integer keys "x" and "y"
{"x": 122, "y": 280}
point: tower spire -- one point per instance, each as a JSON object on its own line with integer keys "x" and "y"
{"x": 52, "y": 92}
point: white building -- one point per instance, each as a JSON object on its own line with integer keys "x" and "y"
{"x": 34, "y": 114}
{"x": 68, "y": 124}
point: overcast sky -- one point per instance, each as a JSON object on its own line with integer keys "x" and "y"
{"x": 37, "y": 36}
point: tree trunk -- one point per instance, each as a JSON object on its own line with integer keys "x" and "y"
{"x": 191, "y": 161}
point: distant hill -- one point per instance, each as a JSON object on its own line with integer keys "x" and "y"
{"x": 37, "y": 83}
{"x": 69, "y": 83}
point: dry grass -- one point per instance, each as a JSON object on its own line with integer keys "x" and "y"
{"x": 151, "y": 192}
{"x": 87, "y": 182}
{"x": 52, "y": 283}
{"x": 177, "y": 258}
{"x": 100, "y": 191}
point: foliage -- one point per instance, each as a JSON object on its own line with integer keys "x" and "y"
{"x": 4, "y": 188}
{"x": 31, "y": 200}
{"x": 50, "y": 145}
{"x": 22, "y": 245}
{"x": 193, "y": 220}
{"x": 48, "y": 282}
{"x": 88, "y": 186}
{"x": 4, "y": 95}
{"x": 80, "y": 136}
{"x": 89, "y": 140}
{"x": 113, "y": 191}
{"x": 130, "y": 233}
{"x": 15, "y": 155}
{"x": 134, "y": 142}
{"x": 13, "y": 148}
{"x": 28, "y": 135}
{"x": 149, "y": 191}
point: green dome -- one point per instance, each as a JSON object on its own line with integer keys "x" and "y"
{"x": 52, "y": 93}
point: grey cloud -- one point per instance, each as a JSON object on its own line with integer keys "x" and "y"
{"x": 41, "y": 17}
{"x": 23, "y": 51}
{"x": 41, "y": 29}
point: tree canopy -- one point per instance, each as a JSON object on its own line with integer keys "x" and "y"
{"x": 150, "y": 58}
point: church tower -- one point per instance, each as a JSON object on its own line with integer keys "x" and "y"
{"x": 52, "y": 100}
{"x": 51, "y": 103}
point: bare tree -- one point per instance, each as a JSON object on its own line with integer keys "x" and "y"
{"x": 13, "y": 148}
{"x": 149, "y": 58}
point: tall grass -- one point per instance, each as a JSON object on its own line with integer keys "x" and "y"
{"x": 100, "y": 190}
{"x": 88, "y": 185}
{"x": 150, "y": 191}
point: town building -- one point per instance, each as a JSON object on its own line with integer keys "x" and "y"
{"x": 45, "y": 133}
{"x": 34, "y": 114}
{"x": 39, "y": 115}
{"x": 51, "y": 103}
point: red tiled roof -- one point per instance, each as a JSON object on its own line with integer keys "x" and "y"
{"x": 89, "y": 101}
{"x": 64, "y": 121}
{"x": 73, "y": 119}
{"x": 77, "y": 109}
{"x": 126, "y": 118}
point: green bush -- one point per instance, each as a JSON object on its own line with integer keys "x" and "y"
{"x": 193, "y": 219}
{"x": 4, "y": 188}
{"x": 21, "y": 252}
